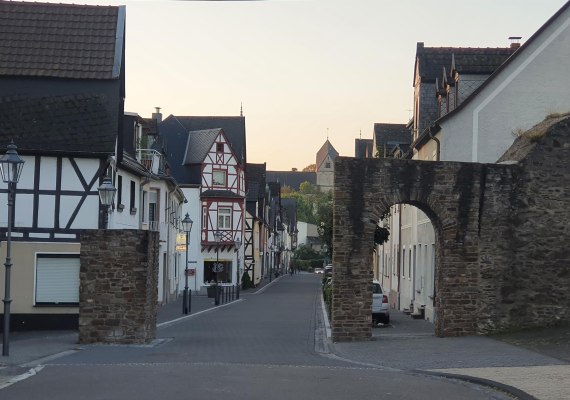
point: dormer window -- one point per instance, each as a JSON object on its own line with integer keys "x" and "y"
{"x": 218, "y": 178}
{"x": 219, "y": 147}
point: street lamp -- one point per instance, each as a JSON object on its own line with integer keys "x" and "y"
{"x": 218, "y": 238}
{"x": 187, "y": 227}
{"x": 11, "y": 167}
{"x": 107, "y": 196}
{"x": 238, "y": 246}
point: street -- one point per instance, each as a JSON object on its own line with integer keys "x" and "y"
{"x": 260, "y": 347}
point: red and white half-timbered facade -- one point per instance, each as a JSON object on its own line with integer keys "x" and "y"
{"x": 221, "y": 209}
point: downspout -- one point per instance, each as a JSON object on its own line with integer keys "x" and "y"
{"x": 434, "y": 129}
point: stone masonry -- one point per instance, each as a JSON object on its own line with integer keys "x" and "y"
{"x": 501, "y": 232}
{"x": 118, "y": 286}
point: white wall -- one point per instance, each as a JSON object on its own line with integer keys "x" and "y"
{"x": 531, "y": 87}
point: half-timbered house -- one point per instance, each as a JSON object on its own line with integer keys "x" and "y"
{"x": 207, "y": 159}
{"x": 62, "y": 90}
{"x": 255, "y": 224}
{"x": 61, "y": 95}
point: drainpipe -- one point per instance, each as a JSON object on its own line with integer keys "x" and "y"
{"x": 434, "y": 129}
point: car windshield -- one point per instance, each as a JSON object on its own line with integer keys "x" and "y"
{"x": 376, "y": 288}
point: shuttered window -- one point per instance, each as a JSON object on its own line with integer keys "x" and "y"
{"x": 57, "y": 279}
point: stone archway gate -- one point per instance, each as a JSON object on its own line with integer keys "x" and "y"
{"x": 501, "y": 238}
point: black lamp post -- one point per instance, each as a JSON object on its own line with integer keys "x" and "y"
{"x": 217, "y": 267}
{"x": 187, "y": 227}
{"x": 107, "y": 196}
{"x": 238, "y": 246}
{"x": 11, "y": 167}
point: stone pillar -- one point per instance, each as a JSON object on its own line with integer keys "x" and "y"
{"x": 118, "y": 289}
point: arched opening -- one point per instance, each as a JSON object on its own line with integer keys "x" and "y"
{"x": 448, "y": 195}
{"x": 405, "y": 265}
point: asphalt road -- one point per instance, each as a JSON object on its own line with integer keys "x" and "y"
{"x": 262, "y": 347}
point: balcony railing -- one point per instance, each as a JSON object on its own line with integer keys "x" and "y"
{"x": 151, "y": 159}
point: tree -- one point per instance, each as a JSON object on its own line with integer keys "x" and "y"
{"x": 315, "y": 207}
{"x": 310, "y": 168}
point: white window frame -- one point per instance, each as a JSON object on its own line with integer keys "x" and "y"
{"x": 224, "y": 218}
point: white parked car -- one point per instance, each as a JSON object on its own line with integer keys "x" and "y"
{"x": 319, "y": 271}
{"x": 380, "y": 306}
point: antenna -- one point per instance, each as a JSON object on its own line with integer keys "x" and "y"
{"x": 327, "y": 133}
{"x": 241, "y": 109}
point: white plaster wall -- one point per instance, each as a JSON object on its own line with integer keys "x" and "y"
{"x": 123, "y": 219}
{"x": 523, "y": 94}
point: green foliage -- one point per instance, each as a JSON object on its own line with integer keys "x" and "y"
{"x": 305, "y": 252}
{"x": 246, "y": 282}
{"x": 315, "y": 207}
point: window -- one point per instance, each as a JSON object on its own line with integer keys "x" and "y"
{"x": 219, "y": 147}
{"x": 57, "y": 279}
{"x": 224, "y": 218}
{"x": 153, "y": 209}
{"x": 224, "y": 276}
{"x": 119, "y": 189}
{"x": 132, "y": 199}
{"x": 218, "y": 177}
{"x": 327, "y": 165}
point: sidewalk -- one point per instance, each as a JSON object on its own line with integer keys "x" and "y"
{"x": 408, "y": 345}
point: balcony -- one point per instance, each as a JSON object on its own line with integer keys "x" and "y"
{"x": 151, "y": 159}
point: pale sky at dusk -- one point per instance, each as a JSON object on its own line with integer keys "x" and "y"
{"x": 301, "y": 68}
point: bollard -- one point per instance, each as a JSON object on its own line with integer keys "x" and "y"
{"x": 189, "y": 301}
{"x": 237, "y": 292}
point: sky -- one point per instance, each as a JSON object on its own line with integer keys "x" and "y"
{"x": 302, "y": 70}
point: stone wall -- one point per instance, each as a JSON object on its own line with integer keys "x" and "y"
{"x": 502, "y": 234}
{"x": 118, "y": 286}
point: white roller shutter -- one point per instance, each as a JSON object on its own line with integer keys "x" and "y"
{"x": 57, "y": 279}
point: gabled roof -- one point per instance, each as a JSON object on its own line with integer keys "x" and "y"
{"x": 326, "y": 149}
{"x": 61, "y": 40}
{"x": 431, "y": 61}
{"x": 521, "y": 51}
{"x": 62, "y": 124}
{"x": 255, "y": 180}
{"x": 234, "y": 129}
{"x": 363, "y": 148}
{"x": 293, "y": 179}
{"x": 387, "y": 136}
{"x": 199, "y": 144}
{"x": 290, "y": 213}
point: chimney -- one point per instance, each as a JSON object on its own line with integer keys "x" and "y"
{"x": 515, "y": 41}
{"x": 157, "y": 115}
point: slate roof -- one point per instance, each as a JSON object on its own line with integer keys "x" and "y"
{"x": 388, "y": 135}
{"x": 62, "y": 124}
{"x": 519, "y": 53}
{"x": 174, "y": 131}
{"x": 326, "y": 149}
{"x": 199, "y": 144}
{"x": 61, "y": 40}
{"x": 220, "y": 193}
{"x": 293, "y": 179}
{"x": 466, "y": 60}
{"x": 255, "y": 179}
{"x": 290, "y": 213}
{"x": 363, "y": 148}
{"x": 233, "y": 127}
